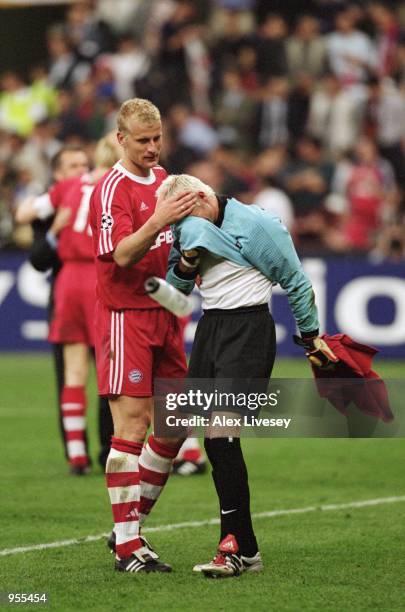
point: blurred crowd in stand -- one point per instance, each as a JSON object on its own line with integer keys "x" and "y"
{"x": 298, "y": 107}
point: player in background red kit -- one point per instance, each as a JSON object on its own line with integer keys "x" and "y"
{"x": 136, "y": 338}
{"x": 72, "y": 323}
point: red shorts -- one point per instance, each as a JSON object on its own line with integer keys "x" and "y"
{"x": 133, "y": 347}
{"x": 74, "y": 297}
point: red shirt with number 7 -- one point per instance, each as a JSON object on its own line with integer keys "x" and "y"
{"x": 75, "y": 240}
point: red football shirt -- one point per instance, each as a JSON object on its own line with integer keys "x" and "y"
{"x": 120, "y": 204}
{"x": 75, "y": 240}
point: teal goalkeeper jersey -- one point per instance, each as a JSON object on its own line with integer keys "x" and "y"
{"x": 250, "y": 236}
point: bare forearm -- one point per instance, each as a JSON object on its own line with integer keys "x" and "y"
{"x": 26, "y": 212}
{"x": 131, "y": 249}
{"x": 170, "y": 210}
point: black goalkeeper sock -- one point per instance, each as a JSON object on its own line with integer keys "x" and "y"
{"x": 231, "y": 482}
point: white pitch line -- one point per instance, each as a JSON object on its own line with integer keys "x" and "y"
{"x": 213, "y": 521}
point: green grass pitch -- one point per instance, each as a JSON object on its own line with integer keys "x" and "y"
{"x": 344, "y": 559}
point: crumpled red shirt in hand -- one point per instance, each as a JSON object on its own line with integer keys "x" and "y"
{"x": 368, "y": 391}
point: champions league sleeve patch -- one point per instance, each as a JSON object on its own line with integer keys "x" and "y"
{"x": 106, "y": 221}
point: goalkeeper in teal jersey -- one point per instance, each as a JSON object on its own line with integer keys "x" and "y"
{"x": 239, "y": 252}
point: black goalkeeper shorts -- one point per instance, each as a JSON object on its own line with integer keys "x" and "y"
{"x": 235, "y": 348}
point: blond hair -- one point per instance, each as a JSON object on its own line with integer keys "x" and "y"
{"x": 143, "y": 110}
{"x": 106, "y": 153}
{"x": 179, "y": 183}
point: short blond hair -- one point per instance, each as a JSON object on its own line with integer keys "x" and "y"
{"x": 179, "y": 183}
{"x": 106, "y": 153}
{"x": 143, "y": 110}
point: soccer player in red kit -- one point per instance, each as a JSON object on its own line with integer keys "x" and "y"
{"x": 136, "y": 339}
{"x": 72, "y": 322}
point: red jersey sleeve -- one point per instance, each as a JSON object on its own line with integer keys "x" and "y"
{"x": 114, "y": 215}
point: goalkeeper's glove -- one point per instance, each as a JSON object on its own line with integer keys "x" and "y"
{"x": 318, "y": 352}
{"x": 190, "y": 259}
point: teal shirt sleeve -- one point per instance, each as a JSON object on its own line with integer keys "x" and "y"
{"x": 272, "y": 251}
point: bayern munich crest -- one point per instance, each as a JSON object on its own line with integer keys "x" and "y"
{"x": 106, "y": 221}
{"x": 135, "y": 376}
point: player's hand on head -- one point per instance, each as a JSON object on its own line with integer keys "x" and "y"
{"x": 61, "y": 220}
{"x": 318, "y": 352}
{"x": 170, "y": 209}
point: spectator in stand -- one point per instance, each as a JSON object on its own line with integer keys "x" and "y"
{"x": 271, "y": 48}
{"x": 118, "y": 14}
{"x": 232, "y": 30}
{"x": 68, "y": 122}
{"x": 388, "y": 33}
{"x": 351, "y": 53}
{"x": 89, "y": 110}
{"x": 387, "y": 121}
{"x": 42, "y": 92}
{"x": 246, "y": 64}
{"x": 390, "y": 244}
{"x": 110, "y": 108}
{"x": 271, "y": 163}
{"x": 104, "y": 78}
{"x": 38, "y": 151}
{"x": 175, "y": 156}
{"x": 193, "y": 132}
{"x": 306, "y": 49}
{"x": 307, "y": 181}
{"x": 172, "y": 56}
{"x": 198, "y": 67}
{"x": 205, "y": 169}
{"x": 299, "y": 101}
{"x": 272, "y": 127}
{"x": 88, "y": 36}
{"x": 335, "y": 115}
{"x": 371, "y": 195}
{"x": 128, "y": 65}
{"x": 268, "y": 166}
{"x": 237, "y": 175}
{"x": 234, "y": 114}
{"x": 275, "y": 201}
{"x": 20, "y": 107}
{"x": 65, "y": 68}
{"x": 399, "y": 72}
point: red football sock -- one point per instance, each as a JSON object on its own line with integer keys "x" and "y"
{"x": 122, "y": 476}
{"x": 73, "y": 406}
{"x": 155, "y": 464}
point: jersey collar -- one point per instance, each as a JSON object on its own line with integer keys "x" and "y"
{"x": 144, "y": 180}
{"x": 222, "y": 202}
